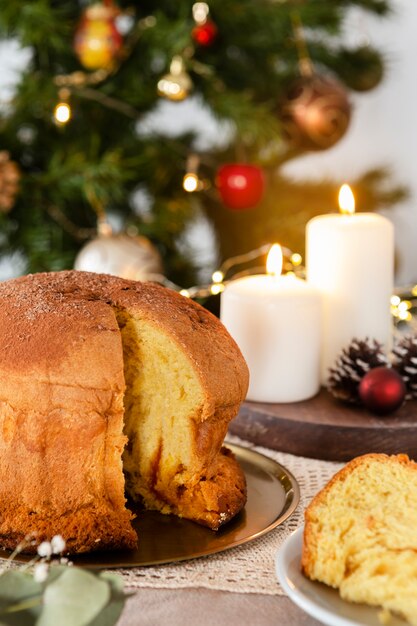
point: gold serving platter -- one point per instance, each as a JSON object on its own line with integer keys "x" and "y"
{"x": 273, "y": 495}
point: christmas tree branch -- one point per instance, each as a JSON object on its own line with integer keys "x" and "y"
{"x": 109, "y": 102}
{"x": 80, "y": 234}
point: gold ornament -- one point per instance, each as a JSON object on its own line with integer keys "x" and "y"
{"x": 97, "y": 40}
{"x": 132, "y": 257}
{"x": 9, "y": 181}
{"x": 176, "y": 85}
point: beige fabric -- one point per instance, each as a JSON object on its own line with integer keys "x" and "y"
{"x": 248, "y": 568}
{"x": 206, "y": 607}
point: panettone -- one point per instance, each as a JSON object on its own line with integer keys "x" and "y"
{"x": 112, "y": 387}
{"x": 361, "y": 534}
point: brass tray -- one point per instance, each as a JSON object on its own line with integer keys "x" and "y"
{"x": 273, "y": 495}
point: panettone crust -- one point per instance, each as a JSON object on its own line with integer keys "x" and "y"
{"x": 61, "y": 401}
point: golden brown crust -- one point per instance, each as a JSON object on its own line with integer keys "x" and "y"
{"x": 61, "y": 400}
{"x": 70, "y": 302}
{"x": 215, "y": 499}
{"x": 61, "y": 419}
{"x": 207, "y": 503}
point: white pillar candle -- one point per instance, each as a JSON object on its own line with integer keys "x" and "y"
{"x": 350, "y": 260}
{"x": 275, "y": 320}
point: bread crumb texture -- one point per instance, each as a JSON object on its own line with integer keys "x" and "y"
{"x": 361, "y": 534}
{"x": 103, "y": 379}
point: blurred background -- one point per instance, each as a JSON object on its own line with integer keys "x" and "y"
{"x": 156, "y": 141}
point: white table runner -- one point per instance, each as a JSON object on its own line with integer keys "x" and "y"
{"x": 248, "y": 568}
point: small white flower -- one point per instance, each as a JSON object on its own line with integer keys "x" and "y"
{"x": 57, "y": 544}
{"x": 40, "y": 572}
{"x": 45, "y": 549}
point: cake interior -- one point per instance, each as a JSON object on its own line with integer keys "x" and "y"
{"x": 363, "y": 538}
{"x": 162, "y": 393}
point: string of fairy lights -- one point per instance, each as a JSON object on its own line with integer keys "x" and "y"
{"x": 403, "y": 301}
{"x": 231, "y": 270}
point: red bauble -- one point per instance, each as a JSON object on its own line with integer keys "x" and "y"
{"x": 382, "y": 390}
{"x": 240, "y": 186}
{"x": 205, "y": 34}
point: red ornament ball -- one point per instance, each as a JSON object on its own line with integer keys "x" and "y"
{"x": 205, "y": 34}
{"x": 240, "y": 186}
{"x": 382, "y": 390}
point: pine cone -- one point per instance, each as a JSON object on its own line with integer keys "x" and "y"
{"x": 351, "y": 366}
{"x": 9, "y": 181}
{"x": 405, "y": 362}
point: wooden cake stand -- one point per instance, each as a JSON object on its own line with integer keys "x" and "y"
{"x": 324, "y": 428}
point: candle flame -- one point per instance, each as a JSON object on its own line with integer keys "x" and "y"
{"x": 274, "y": 260}
{"x": 346, "y": 200}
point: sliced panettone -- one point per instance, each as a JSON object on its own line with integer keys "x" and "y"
{"x": 92, "y": 368}
{"x": 361, "y": 534}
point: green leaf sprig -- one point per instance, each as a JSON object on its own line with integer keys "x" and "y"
{"x": 47, "y": 592}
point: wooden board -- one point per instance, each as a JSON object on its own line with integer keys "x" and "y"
{"x": 324, "y": 428}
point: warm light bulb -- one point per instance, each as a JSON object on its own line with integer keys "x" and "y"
{"x": 217, "y": 276}
{"x": 296, "y": 259}
{"x": 404, "y": 305}
{"x": 185, "y": 293}
{"x": 62, "y": 112}
{"x": 215, "y": 289}
{"x": 190, "y": 182}
{"x": 274, "y": 260}
{"x": 346, "y": 200}
{"x": 405, "y": 316}
{"x": 200, "y": 12}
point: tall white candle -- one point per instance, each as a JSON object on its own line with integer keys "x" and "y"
{"x": 275, "y": 320}
{"x": 350, "y": 260}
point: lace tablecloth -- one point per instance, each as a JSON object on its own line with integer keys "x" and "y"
{"x": 248, "y": 568}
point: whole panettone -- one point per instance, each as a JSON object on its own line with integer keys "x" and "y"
{"x": 360, "y": 534}
{"x": 112, "y": 387}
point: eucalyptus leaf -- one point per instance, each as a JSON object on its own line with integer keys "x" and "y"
{"x": 75, "y": 598}
{"x": 115, "y": 581}
{"x": 20, "y": 599}
{"x": 27, "y": 617}
{"x": 112, "y": 612}
{"x": 15, "y": 586}
{"x": 54, "y": 572}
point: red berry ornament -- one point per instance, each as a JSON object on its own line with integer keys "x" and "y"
{"x": 205, "y": 34}
{"x": 382, "y": 390}
{"x": 240, "y": 186}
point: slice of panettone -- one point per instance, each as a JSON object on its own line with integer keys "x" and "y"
{"x": 361, "y": 534}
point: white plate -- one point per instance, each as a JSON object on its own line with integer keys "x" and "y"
{"x": 321, "y": 602}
